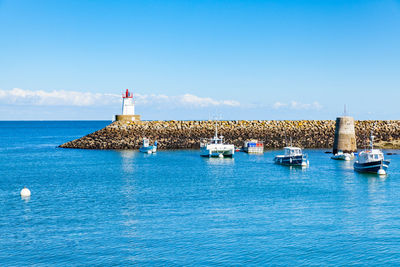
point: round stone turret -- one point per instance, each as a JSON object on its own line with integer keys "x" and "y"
{"x": 345, "y": 136}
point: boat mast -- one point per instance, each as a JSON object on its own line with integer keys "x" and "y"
{"x": 216, "y": 130}
{"x": 372, "y": 141}
{"x": 372, "y": 136}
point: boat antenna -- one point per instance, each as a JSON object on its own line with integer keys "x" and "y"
{"x": 291, "y": 141}
{"x": 345, "y": 111}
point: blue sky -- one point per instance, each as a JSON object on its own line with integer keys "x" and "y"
{"x": 191, "y": 59}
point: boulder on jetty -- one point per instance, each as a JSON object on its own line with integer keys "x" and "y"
{"x": 187, "y": 134}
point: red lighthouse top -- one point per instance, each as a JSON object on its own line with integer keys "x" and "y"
{"x": 127, "y": 94}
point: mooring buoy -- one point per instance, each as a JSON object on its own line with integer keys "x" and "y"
{"x": 25, "y": 192}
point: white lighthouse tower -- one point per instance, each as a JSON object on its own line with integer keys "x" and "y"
{"x": 128, "y": 108}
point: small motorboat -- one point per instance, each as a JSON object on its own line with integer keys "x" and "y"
{"x": 215, "y": 147}
{"x": 147, "y": 148}
{"x": 371, "y": 161}
{"x": 343, "y": 156}
{"x": 293, "y": 157}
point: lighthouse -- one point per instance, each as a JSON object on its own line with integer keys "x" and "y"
{"x": 128, "y": 108}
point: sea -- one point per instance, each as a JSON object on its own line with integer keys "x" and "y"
{"x": 175, "y": 208}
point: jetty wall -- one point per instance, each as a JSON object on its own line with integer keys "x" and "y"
{"x": 187, "y": 134}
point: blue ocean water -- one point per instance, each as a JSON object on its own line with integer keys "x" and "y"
{"x": 93, "y": 207}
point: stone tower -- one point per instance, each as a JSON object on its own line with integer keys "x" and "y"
{"x": 345, "y": 136}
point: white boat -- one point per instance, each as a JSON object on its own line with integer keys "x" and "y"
{"x": 343, "y": 156}
{"x": 147, "y": 148}
{"x": 215, "y": 147}
{"x": 371, "y": 161}
{"x": 253, "y": 147}
{"x": 293, "y": 157}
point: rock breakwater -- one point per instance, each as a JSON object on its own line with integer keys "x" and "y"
{"x": 187, "y": 134}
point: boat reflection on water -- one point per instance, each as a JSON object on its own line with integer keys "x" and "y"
{"x": 344, "y": 165}
{"x": 127, "y": 160}
{"x": 371, "y": 177}
{"x": 219, "y": 161}
{"x": 297, "y": 168}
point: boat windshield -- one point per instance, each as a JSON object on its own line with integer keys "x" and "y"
{"x": 145, "y": 142}
{"x": 289, "y": 151}
{"x": 370, "y": 156}
{"x": 216, "y": 140}
{"x": 376, "y": 156}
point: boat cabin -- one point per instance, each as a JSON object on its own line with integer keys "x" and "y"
{"x": 145, "y": 142}
{"x": 217, "y": 140}
{"x": 212, "y": 141}
{"x": 293, "y": 151}
{"x": 370, "y": 155}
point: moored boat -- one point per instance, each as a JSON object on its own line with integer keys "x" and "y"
{"x": 293, "y": 156}
{"x": 147, "y": 148}
{"x": 253, "y": 147}
{"x": 343, "y": 156}
{"x": 371, "y": 161}
{"x": 215, "y": 147}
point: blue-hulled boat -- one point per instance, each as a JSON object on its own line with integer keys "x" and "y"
{"x": 147, "y": 148}
{"x": 371, "y": 161}
{"x": 293, "y": 157}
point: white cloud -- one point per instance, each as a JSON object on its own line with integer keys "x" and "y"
{"x": 279, "y": 105}
{"x": 183, "y": 100}
{"x": 298, "y": 106}
{"x": 199, "y": 101}
{"x": 18, "y": 96}
{"x": 189, "y": 99}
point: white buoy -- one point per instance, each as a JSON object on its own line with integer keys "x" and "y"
{"x": 221, "y": 155}
{"x": 381, "y": 172}
{"x": 25, "y": 192}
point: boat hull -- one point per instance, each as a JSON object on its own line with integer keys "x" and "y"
{"x": 298, "y": 160}
{"x": 214, "y": 153}
{"x": 372, "y": 167}
{"x": 345, "y": 157}
{"x": 254, "y": 150}
{"x": 148, "y": 150}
